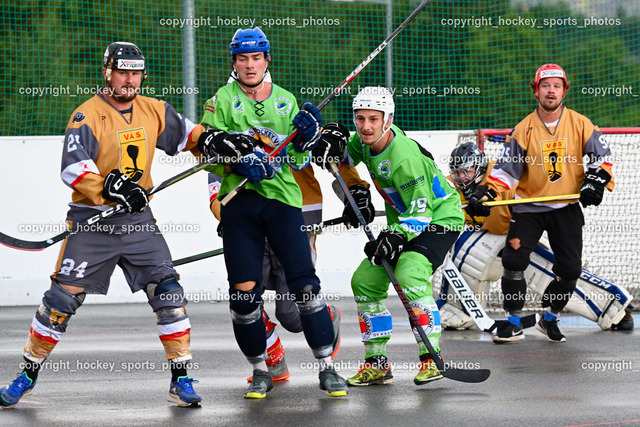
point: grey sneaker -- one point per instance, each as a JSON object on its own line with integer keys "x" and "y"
{"x": 260, "y": 385}
{"x": 279, "y": 372}
{"x": 551, "y": 330}
{"x": 332, "y": 383}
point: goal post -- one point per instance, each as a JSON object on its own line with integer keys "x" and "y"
{"x": 611, "y": 235}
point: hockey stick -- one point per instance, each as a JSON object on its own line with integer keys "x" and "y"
{"x": 197, "y": 257}
{"x": 476, "y": 311}
{"x": 336, "y": 92}
{"x": 28, "y": 245}
{"x": 464, "y": 375}
{"x": 566, "y": 197}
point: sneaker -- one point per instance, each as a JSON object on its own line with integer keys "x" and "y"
{"x": 279, "y": 372}
{"x": 372, "y": 372}
{"x": 11, "y": 394}
{"x": 260, "y": 385}
{"x": 181, "y": 392}
{"x": 336, "y": 317}
{"x": 626, "y": 324}
{"x": 333, "y": 383}
{"x": 551, "y": 330}
{"x": 428, "y": 372}
{"x": 508, "y": 332}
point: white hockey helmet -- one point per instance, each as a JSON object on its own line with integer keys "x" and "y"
{"x": 375, "y": 98}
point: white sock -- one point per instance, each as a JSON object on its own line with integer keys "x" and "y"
{"x": 261, "y": 365}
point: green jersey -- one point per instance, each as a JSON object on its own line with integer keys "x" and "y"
{"x": 267, "y": 121}
{"x": 416, "y": 192}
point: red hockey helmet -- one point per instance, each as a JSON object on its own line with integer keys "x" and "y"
{"x": 551, "y": 70}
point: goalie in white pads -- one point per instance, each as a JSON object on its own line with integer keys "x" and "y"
{"x": 477, "y": 254}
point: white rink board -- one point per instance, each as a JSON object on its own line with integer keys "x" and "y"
{"x": 33, "y": 195}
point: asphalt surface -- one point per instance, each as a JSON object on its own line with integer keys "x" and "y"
{"x": 108, "y": 370}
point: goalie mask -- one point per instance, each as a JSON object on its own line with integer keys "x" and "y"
{"x": 467, "y": 165}
{"x": 376, "y": 98}
{"x": 124, "y": 56}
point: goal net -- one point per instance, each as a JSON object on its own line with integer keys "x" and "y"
{"x": 611, "y": 231}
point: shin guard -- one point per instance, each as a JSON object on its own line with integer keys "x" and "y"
{"x": 248, "y": 323}
{"x": 50, "y": 321}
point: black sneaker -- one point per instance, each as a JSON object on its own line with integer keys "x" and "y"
{"x": 508, "y": 332}
{"x": 551, "y": 330}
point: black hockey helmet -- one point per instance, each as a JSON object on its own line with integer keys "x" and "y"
{"x": 463, "y": 157}
{"x": 124, "y": 56}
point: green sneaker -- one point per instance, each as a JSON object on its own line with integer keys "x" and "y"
{"x": 374, "y": 371}
{"x": 428, "y": 372}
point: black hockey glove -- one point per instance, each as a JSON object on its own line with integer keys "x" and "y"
{"x": 362, "y": 196}
{"x": 593, "y": 185}
{"x": 307, "y": 122}
{"x": 387, "y": 246}
{"x": 231, "y": 146}
{"x": 330, "y": 149}
{"x": 475, "y": 205}
{"x": 119, "y": 188}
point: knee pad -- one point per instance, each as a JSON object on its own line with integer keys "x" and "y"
{"x": 309, "y": 300}
{"x": 166, "y": 293}
{"x": 58, "y": 305}
{"x": 245, "y": 306}
{"x": 514, "y": 260}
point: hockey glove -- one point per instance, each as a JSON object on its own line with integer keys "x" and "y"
{"x": 255, "y": 167}
{"x": 119, "y": 188}
{"x": 229, "y": 146}
{"x": 475, "y": 207}
{"x": 362, "y": 196}
{"x": 387, "y": 246}
{"x": 330, "y": 148}
{"x": 593, "y": 185}
{"x": 307, "y": 122}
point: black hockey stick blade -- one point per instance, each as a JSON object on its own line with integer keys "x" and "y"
{"x": 28, "y": 245}
{"x": 466, "y": 375}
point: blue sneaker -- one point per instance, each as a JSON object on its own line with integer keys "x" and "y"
{"x": 11, "y": 394}
{"x": 181, "y": 392}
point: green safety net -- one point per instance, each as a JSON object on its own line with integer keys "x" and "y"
{"x": 457, "y": 65}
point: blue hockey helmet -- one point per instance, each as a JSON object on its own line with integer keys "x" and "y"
{"x": 248, "y": 41}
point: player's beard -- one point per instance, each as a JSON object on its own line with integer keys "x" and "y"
{"x": 127, "y": 93}
{"x": 550, "y": 106}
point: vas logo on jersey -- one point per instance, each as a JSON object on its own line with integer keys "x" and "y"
{"x": 554, "y": 155}
{"x": 133, "y": 153}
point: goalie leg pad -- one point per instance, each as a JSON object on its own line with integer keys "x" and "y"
{"x": 594, "y": 298}
{"x": 50, "y": 321}
{"x": 606, "y": 300}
